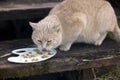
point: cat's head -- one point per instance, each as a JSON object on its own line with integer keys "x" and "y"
{"x": 47, "y": 33}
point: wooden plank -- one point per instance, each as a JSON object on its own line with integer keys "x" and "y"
{"x": 24, "y": 11}
{"x": 105, "y": 55}
{"x": 28, "y": 1}
{"x": 16, "y": 10}
{"x": 13, "y": 6}
{"x": 23, "y": 14}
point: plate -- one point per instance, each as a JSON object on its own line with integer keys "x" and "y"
{"x": 31, "y": 55}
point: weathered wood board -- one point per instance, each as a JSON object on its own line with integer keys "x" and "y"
{"x": 12, "y": 11}
{"x": 27, "y": 9}
{"x": 105, "y": 55}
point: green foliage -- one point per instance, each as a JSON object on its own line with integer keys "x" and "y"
{"x": 112, "y": 75}
{"x": 110, "y": 35}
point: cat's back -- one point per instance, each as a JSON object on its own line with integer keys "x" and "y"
{"x": 68, "y": 8}
{"x": 85, "y": 6}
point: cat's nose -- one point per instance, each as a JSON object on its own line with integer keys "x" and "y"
{"x": 43, "y": 45}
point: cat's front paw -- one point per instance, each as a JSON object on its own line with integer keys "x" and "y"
{"x": 98, "y": 44}
{"x": 64, "y": 48}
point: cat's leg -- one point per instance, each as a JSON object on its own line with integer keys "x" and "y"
{"x": 66, "y": 46}
{"x": 104, "y": 21}
{"x": 80, "y": 21}
{"x": 100, "y": 39}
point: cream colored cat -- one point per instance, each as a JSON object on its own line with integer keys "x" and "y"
{"x": 72, "y": 21}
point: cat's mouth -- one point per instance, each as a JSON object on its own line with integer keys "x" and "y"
{"x": 44, "y": 50}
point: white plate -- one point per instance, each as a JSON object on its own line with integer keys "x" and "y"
{"x": 28, "y": 55}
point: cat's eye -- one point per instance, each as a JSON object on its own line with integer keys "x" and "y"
{"x": 49, "y": 41}
{"x": 39, "y": 41}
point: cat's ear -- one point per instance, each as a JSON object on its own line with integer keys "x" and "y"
{"x": 57, "y": 28}
{"x": 33, "y": 25}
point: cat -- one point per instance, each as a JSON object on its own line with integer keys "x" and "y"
{"x": 71, "y": 21}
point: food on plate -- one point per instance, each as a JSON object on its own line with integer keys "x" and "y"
{"x": 29, "y": 55}
{"x": 44, "y": 56}
{"x": 49, "y": 53}
{"x": 35, "y": 59}
{"x": 38, "y": 51}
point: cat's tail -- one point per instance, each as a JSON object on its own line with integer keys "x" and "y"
{"x": 116, "y": 33}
